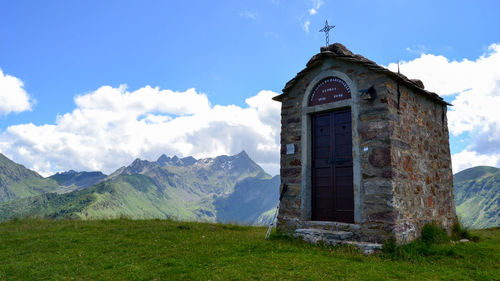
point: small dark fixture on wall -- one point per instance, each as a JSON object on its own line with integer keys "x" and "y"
{"x": 369, "y": 94}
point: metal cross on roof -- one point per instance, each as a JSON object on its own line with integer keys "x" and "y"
{"x": 326, "y": 30}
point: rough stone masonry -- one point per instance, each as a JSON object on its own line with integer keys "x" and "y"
{"x": 398, "y": 168}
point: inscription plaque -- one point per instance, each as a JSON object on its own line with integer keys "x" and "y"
{"x": 329, "y": 90}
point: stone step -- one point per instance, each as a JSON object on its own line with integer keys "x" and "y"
{"x": 324, "y": 234}
{"x": 315, "y": 236}
{"x": 366, "y": 247}
{"x": 333, "y": 226}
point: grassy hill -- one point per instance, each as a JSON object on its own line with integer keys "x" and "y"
{"x": 18, "y": 182}
{"x": 477, "y": 196}
{"x": 168, "y": 250}
{"x": 126, "y": 195}
{"x": 252, "y": 197}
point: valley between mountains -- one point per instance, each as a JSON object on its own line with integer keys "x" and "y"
{"x": 228, "y": 189}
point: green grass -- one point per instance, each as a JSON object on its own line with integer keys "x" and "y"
{"x": 125, "y": 249}
{"x": 434, "y": 242}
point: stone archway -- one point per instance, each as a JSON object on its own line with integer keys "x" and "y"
{"x": 308, "y": 111}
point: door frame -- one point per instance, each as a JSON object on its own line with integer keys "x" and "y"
{"x": 306, "y": 140}
{"x": 333, "y": 145}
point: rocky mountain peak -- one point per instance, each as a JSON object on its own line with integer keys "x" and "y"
{"x": 243, "y": 153}
{"x": 239, "y": 163}
{"x": 163, "y": 159}
{"x": 176, "y": 161}
{"x": 78, "y": 179}
{"x": 138, "y": 166}
{"x": 188, "y": 161}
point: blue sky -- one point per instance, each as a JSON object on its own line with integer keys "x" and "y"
{"x": 233, "y": 53}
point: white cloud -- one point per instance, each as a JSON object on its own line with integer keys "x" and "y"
{"x": 475, "y": 109}
{"x": 316, "y": 5}
{"x": 305, "y": 18}
{"x": 248, "y": 14}
{"x": 111, "y": 126}
{"x": 13, "y": 97}
{"x": 447, "y": 77}
{"x": 306, "y": 25}
{"x": 419, "y": 49}
{"x": 466, "y": 159}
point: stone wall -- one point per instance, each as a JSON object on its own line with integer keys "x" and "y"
{"x": 421, "y": 163}
{"x": 405, "y": 168}
{"x": 291, "y": 165}
{"x": 377, "y": 199}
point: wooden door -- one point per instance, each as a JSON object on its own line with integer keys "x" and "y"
{"x": 332, "y": 175}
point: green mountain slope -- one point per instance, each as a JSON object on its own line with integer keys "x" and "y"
{"x": 18, "y": 182}
{"x": 252, "y": 197}
{"x": 477, "y": 197}
{"x": 185, "y": 189}
{"x": 134, "y": 196}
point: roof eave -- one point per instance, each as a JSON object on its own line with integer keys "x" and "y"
{"x": 358, "y": 59}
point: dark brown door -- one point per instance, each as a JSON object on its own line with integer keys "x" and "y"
{"x": 332, "y": 182}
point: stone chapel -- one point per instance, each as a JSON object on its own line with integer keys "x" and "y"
{"x": 364, "y": 152}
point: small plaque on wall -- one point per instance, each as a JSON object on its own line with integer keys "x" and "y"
{"x": 329, "y": 90}
{"x": 290, "y": 148}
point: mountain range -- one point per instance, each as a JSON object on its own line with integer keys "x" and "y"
{"x": 229, "y": 189}
{"x": 208, "y": 189}
{"x": 72, "y": 180}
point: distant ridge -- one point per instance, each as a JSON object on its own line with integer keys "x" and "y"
{"x": 181, "y": 188}
{"x": 186, "y": 161}
{"x": 477, "y": 196}
{"x": 475, "y": 173}
{"x": 78, "y": 180}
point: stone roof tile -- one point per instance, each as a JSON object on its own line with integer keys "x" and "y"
{"x": 339, "y": 51}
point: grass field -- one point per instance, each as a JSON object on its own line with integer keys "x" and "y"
{"x": 167, "y": 250}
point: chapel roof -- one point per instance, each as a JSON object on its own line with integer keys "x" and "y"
{"x": 340, "y": 52}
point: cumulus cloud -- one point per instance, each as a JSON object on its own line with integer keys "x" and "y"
{"x": 13, "y": 97}
{"x": 451, "y": 77}
{"x": 466, "y": 159}
{"x": 112, "y": 126}
{"x": 475, "y": 111}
